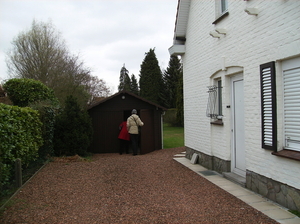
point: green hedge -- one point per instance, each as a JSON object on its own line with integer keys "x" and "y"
{"x": 20, "y": 137}
{"x": 23, "y": 92}
{"x": 47, "y": 117}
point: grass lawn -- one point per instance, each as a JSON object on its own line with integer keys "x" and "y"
{"x": 173, "y": 136}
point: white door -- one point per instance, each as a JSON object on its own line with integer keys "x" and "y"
{"x": 238, "y": 162}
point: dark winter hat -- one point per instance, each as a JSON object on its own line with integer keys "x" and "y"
{"x": 133, "y": 111}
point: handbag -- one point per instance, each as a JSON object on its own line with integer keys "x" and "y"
{"x": 139, "y": 127}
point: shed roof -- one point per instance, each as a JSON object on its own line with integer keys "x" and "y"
{"x": 125, "y": 92}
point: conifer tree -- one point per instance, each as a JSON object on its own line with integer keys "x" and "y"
{"x": 151, "y": 83}
{"x": 171, "y": 79}
{"x": 73, "y": 130}
{"x": 127, "y": 85}
{"x": 125, "y": 82}
{"x": 179, "y": 100}
{"x": 134, "y": 88}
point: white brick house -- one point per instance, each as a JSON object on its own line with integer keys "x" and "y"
{"x": 241, "y": 72}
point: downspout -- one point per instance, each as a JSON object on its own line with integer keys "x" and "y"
{"x": 162, "y": 129}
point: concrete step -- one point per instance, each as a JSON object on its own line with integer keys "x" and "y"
{"x": 235, "y": 178}
{"x": 182, "y": 154}
{"x": 179, "y": 155}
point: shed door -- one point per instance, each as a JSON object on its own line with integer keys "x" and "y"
{"x": 147, "y": 131}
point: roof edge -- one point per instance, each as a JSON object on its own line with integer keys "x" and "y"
{"x": 182, "y": 16}
{"x": 125, "y": 92}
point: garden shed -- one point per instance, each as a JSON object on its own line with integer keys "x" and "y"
{"x": 108, "y": 113}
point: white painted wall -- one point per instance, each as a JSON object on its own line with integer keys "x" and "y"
{"x": 272, "y": 35}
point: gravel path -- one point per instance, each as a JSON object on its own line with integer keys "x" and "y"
{"x": 115, "y": 188}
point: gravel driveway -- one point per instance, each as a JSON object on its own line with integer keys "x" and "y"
{"x": 115, "y": 188}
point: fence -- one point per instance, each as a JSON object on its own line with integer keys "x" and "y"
{"x": 19, "y": 176}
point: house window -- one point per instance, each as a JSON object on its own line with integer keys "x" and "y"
{"x": 219, "y": 100}
{"x": 214, "y": 103}
{"x": 268, "y": 106}
{"x": 291, "y": 103}
{"x": 221, "y": 10}
{"x": 223, "y": 6}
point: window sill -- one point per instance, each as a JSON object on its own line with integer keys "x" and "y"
{"x": 221, "y": 17}
{"x": 286, "y": 153}
{"x": 217, "y": 122}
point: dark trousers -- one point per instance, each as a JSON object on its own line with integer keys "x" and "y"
{"x": 124, "y": 145}
{"x": 135, "y": 142}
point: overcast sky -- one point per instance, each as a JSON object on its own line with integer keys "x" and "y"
{"x": 105, "y": 33}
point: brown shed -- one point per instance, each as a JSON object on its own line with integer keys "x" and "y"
{"x": 108, "y": 114}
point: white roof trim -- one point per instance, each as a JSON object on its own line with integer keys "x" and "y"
{"x": 182, "y": 17}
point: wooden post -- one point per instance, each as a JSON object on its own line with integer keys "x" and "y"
{"x": 18, "y": 172}
{"x": 1, "y": 176}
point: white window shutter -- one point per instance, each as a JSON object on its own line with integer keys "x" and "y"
{"x": 291, "y": 80}
{"x": 268, "y": 106}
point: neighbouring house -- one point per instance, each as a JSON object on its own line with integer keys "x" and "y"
{"x": 241, "y": 74}
{"x": 108, "y": 113}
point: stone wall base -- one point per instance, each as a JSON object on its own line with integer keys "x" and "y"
{"x": 280, "y": 193}
{"x": 209, "y": 162}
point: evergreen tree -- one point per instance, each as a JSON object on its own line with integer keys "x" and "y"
{"x": 125, "y": 82}
{"x": 151, "y": 83}
{"x": 73, "y": 130}
{"x": 134, "y": 88}
{"x": 171, "y": 79}
{"x": 179, "y": 100}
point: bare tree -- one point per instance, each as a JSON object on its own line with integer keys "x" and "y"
{"x": 40, "y": 53}
{"x": 97, "y": 88}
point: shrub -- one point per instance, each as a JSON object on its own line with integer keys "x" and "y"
{"x": 47, "y": 117}
{"x": 20, "y": 137}
{"x": 73, "y": 130}
{"x": 22, "y": 92}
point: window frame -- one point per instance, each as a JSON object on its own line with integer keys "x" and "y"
{"x": 223, "y": 6}
{"x": 219, "y": 97}
{"x": 221, "y": 10}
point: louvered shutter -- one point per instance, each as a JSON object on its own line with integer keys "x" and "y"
{"x": 291, "y": 80}
{"x": 268, "y": 106}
